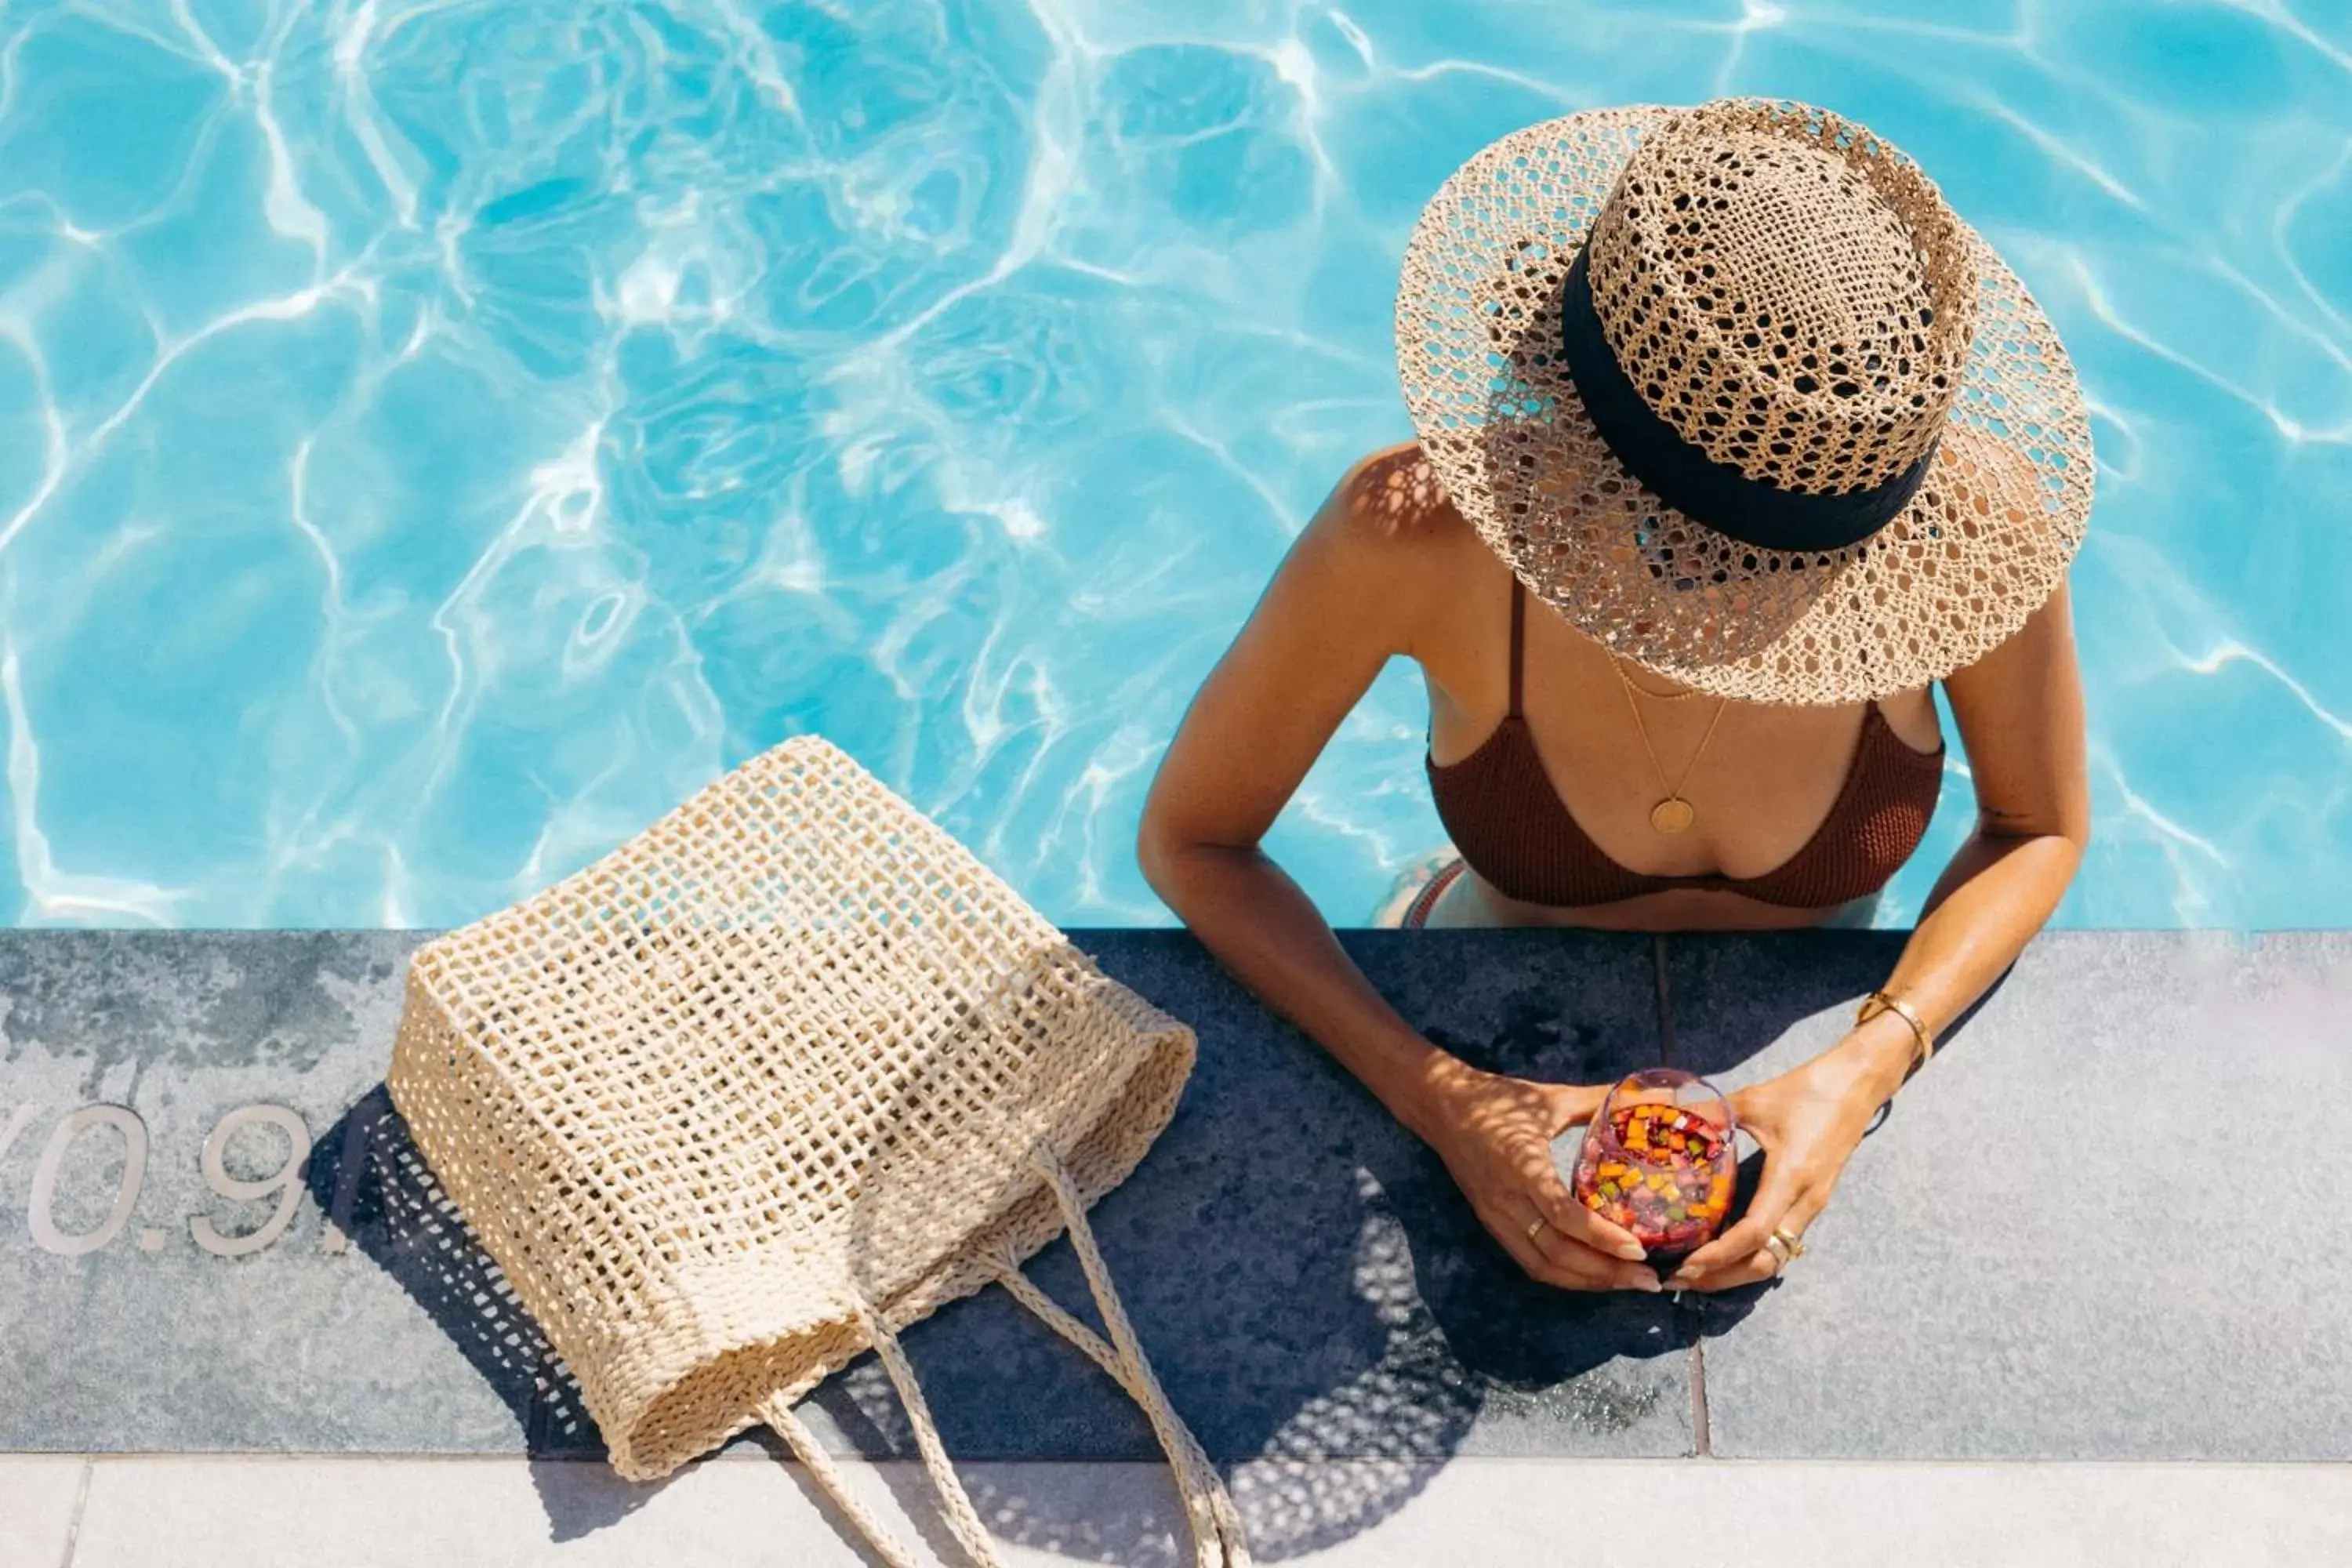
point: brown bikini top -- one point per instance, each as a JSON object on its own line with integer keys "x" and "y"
{"x": 1509, "y": 825}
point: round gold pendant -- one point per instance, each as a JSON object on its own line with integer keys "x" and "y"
{"x": 1673, "y": 815}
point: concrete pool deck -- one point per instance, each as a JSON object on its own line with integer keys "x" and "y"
{"x": 2172, "y": 1323}
{"x": 389, "y": 1512}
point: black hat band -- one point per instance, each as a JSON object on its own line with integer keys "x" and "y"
{"x": 1754, "y": 511}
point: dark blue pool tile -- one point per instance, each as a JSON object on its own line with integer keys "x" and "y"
{"x": 1302, "y": 1274}
{"x": 2047, "y": 1250}
{"x": 1306, "y": 1277}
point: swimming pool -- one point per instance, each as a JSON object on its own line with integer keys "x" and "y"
{"x": 439, "y": 437}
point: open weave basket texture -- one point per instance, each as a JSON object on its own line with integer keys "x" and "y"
{"x": 776, "y": 1078}
{"x": 1793, "y": 296}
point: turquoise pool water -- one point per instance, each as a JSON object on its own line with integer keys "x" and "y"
{"x": 436, "y": 437}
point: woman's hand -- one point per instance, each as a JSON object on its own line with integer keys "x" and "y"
{"x": 1494, "y": 1135}
{"x": 1808, "y": 1120}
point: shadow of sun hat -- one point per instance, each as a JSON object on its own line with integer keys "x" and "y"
{"x": 1735, "y": 392}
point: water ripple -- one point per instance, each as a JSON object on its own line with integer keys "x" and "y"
{"x": 443, "y": 432}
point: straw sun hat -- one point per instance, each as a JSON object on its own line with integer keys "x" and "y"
{"x": 1735, "y": 392}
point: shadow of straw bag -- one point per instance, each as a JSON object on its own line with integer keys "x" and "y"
{"x": 780, "y": 1077}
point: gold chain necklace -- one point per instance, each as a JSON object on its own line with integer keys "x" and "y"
{"x": 1657, "y": 696}
{"x": 1674, "y": 814}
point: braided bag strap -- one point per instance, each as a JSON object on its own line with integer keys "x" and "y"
{"x": 1217, "y": 1538}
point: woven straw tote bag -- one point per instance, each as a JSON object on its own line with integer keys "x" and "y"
{"x": 775, "y": 1079}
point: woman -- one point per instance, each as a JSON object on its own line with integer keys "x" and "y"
{"x": 1733, "y": 439}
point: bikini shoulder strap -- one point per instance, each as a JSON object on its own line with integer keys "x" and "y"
{"x": 1519, "y": 640}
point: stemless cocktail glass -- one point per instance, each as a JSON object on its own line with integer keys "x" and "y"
{"x": 1659, "y": 1159}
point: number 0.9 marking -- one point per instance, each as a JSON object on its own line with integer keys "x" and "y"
{"x": 287, "y": 1184}
{"x": 42, "y": 1217}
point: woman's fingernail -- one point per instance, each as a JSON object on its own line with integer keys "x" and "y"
{"x": 1631, "y": 1251}
{"x": 1647, "y": 1282}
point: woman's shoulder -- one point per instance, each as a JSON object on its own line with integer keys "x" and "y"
{"x": 1389, "y": 504}
{"x": 1387, "y": 552}
{"x": 1382, "y": 555}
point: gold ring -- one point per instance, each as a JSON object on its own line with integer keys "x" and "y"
{"x": 1784, "y": 1247}
{"x": 1535, "y": 1227}
{"x": 1796, "y": 1243}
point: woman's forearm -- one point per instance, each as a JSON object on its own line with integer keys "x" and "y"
{"x": 1995, "y": 895}
{"x": 1992, "y": 899}
{"x": 1268, "y": 935}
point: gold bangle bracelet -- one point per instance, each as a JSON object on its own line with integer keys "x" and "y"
{"x": 1879, "y": 1001}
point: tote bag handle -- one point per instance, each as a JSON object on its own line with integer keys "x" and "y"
{"x": 1217, "y": 1540}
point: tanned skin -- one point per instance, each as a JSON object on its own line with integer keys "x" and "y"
{"x": 1387, "y": 569}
